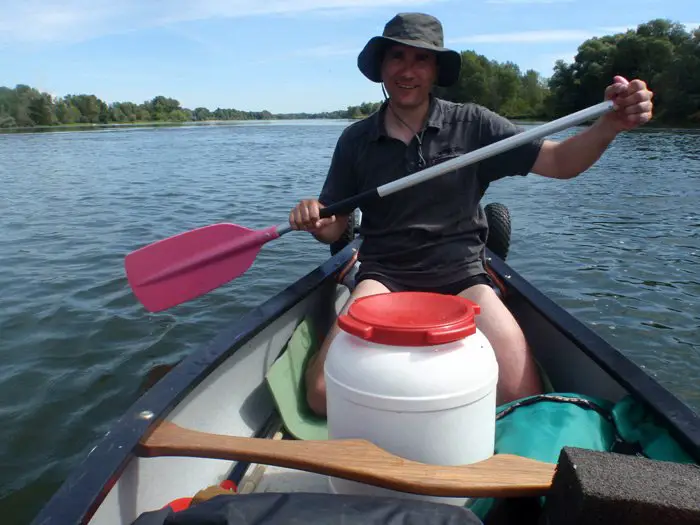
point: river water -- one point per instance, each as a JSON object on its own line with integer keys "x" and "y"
{"x": 619, "y": 247}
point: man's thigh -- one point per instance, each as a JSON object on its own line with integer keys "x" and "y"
{"x": 518, "y": 374}
{"x": 365, "y": 288}
{"x": 495, "y": 320}
{"x": 314, "y": 371}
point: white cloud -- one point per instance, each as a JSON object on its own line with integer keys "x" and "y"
{"x": 544, "y": 63}
{"x": 511, "y": 2}
{"x": 618, "y": 29}
{"x": 622, "y": 29}
{"x": 44, "y": 21}
{"x": 203, "y": 9}
{"x": 548, "y": 35}
{"x": 326, "y": 51}
{"x": 313, "y": 53}
{"x": 37, "y": 21}
{"x": 566, "y": 56}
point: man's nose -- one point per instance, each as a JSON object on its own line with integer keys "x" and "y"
{"x": 407, "y": 69}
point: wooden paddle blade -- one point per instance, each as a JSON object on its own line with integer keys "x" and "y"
{"x": 502, "y": 475}
{"x": 185, "y": 266}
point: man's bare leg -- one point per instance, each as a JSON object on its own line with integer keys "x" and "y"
{"x": 315, "y": 382}
{"x": 518, "y": 374}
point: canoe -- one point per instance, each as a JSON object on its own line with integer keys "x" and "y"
{"x": 221, "y": 389}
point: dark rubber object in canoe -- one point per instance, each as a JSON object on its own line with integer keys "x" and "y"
{"x": 498, "y": 218}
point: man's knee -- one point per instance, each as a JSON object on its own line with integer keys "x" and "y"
{"x": 315, "y": 385}
{"x": 495, "y": 317}
{"x": 518, "y": 374}
{"x": 314, "y": 378}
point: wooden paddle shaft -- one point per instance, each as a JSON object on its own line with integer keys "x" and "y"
{"x": 502, "y": 475}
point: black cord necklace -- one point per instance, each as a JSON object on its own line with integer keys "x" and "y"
{"x": 419, "y": 137}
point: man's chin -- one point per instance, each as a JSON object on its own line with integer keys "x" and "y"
{"x": 408, "y": 100}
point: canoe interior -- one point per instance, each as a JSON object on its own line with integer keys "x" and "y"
{"x": 231, "y": 400}
{"x": 221, "y": 389}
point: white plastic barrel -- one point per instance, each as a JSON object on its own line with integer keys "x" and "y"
{"x": 411, "y": 373}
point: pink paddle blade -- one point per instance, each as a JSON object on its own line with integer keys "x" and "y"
{"x": 182, "y": 267}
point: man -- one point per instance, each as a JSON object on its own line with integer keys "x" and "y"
{"x": 431, "y": 236}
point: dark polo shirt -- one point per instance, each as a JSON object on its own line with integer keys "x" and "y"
{"x": 431, "y": 234}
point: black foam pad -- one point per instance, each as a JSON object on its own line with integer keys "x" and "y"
{"x": 591, "y": 487}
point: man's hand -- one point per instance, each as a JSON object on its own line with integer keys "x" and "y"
{"x": 633, "y": 105}
{"x": 307, "y": 216}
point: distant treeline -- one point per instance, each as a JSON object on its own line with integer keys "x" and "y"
{"x": 24, "y": 106}
{"x": 660, "y": 51}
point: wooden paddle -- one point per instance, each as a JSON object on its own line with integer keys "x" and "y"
{"x": 185, "y": 266}
{"x": 502, "y": 475}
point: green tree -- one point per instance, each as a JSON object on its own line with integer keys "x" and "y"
{"x": 201, "y": 114}
{"x": 661, "y": 52}
{"x": 41, "y": 110}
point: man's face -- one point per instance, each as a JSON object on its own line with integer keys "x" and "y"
{"x": 408, "y": 74}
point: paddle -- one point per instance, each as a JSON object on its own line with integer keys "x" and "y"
{"x": 182, "y": 267}
{"x": 502, "y": 475}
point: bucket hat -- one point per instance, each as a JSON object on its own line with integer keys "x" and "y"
{"x": 416, "y": 30}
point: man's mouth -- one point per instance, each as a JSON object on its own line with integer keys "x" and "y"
{"x": 406, "y": 86}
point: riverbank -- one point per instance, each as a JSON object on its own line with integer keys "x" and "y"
{"x": 148, "y": 124}
{"x": 166, "y": 124}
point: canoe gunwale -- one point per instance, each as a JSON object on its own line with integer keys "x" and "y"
{"x": 89, "y": 482}
{"x": 682, "y": 422}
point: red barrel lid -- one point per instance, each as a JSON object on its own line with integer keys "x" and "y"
{"x": 410, "y": 318}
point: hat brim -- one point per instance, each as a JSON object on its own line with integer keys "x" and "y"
{"x": 369, "y": 61}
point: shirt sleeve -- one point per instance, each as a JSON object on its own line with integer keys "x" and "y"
{"x": 517, "y": 161}
{"x": 340, "y": 181}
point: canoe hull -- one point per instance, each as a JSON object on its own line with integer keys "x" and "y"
{"x": 221, "y": 389}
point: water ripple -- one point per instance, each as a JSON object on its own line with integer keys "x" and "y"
{"x": 619, "y": 247}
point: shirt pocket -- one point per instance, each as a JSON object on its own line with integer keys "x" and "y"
{"x": 454, "y": 183}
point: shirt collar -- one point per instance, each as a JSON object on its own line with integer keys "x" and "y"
{"x": 435, "y": 118}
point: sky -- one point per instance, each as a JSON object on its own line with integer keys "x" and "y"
{"x": 275, "y": 55}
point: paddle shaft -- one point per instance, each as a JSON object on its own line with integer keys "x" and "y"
{"x": 501, "y": 475}
{"x": 169, "y": 272}
{"x": 348, "y": 205}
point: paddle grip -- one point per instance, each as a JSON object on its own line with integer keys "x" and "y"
{"x": 347, "y": 206}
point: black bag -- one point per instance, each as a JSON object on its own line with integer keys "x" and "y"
{"x": 311, "y": 509}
